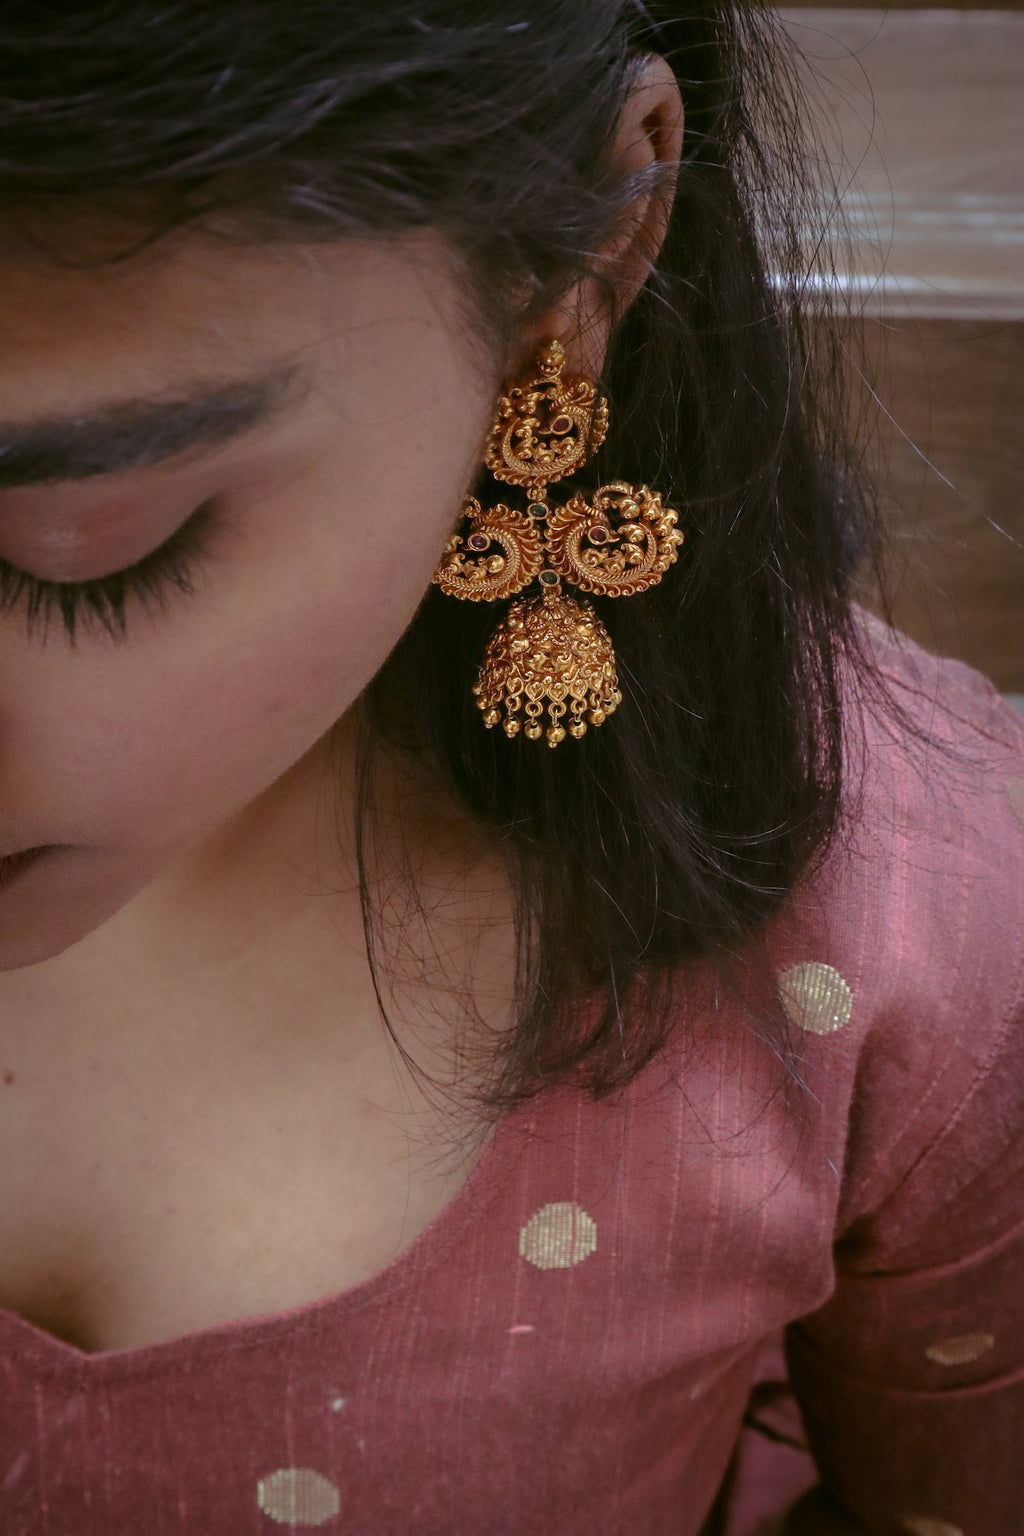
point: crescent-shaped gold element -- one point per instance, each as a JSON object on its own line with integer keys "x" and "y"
{"x": 499, "y": 553}
{"x": 621, "y": 542}
{"x": 546, "y": 426}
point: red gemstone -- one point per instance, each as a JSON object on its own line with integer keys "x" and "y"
{"x": 561, "y": 424}
{"x": 598, "y": 534}
{"x": 478, "y": 541}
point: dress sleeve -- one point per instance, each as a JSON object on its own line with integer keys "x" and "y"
{"x": 910, "y": 1378}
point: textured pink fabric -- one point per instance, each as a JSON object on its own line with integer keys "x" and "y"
{"x": 572, "y": 1345}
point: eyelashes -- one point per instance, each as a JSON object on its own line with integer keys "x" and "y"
{"x": 105, "y": 600}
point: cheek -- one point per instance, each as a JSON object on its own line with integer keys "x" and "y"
{"x": 145, "y": 748}
{"x": 204, "y": 707}
{"x": 238, "y": 712}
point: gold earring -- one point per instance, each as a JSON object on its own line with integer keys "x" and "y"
{"x": 551, "y": 652}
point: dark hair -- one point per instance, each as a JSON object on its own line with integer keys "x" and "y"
{"x": 672, "y": 832}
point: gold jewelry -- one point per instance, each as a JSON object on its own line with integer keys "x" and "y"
{"x": 551, "y": 652}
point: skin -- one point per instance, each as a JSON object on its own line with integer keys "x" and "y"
{"x": 328, "y": 522}
{"x": 314, "y": 564}
{"x": 170, "y": 1032}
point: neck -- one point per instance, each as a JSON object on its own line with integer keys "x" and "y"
{"x": 257, "y": 934}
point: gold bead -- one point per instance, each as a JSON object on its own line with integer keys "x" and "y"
{"x": 597, "y": 717}
{"x": 533, "y": 731}
{"x": 555, "y": 735}
{"x": 492, "y": 717}
{"x": 511, "y": 728}
{"x": 578, "y": 729}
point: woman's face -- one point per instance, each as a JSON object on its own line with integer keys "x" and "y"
{"x": 322, "y": 409}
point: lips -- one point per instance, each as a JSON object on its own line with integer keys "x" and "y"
{"x": 14, "y": 864}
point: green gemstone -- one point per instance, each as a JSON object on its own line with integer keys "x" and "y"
{"x": 537, "y": 509}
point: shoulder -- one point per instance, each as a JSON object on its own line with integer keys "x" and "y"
{"x": 904, "y": 951}
{"x": 934, "y": 800}
{"x": 932, "y": 840}
{"x": 934, "y": 794}
{"x": 929, "y": 682}
{"x": 929, "y": 729}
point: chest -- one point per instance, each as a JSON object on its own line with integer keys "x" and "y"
{"x": 129, "y": 1217}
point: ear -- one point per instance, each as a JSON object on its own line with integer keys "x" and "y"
{"x": 649, "y": 134}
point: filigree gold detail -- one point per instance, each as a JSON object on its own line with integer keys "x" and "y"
{"x": 621, "y": 542}
{"x": 549, "y": 655}
{"x": 547, "y": 426}
{"x": 549, "y": 669}
{"x": 495, "y": 556}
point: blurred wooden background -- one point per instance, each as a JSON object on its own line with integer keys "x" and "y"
{"x": 928, "y": 106}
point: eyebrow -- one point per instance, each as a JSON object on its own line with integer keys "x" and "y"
{"x": 139, "y": 433}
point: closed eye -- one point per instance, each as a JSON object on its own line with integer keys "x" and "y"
{"x": 104, "y": 601}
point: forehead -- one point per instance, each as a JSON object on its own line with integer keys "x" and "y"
{"x": 76, "y": 336}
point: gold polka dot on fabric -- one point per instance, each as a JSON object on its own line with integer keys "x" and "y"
{"x": 920, "y": 1525}
{"x": 1015, "y": 795}
{"x": 297, "y": 1496}
{"x": 558, "y": 1236}
{"x": 958, "y": 1351}
{"x": 816, "y": 997}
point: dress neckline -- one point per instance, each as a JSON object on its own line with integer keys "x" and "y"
{"x": 34, "y": 1349}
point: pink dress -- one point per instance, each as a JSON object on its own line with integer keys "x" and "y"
{"x": 572, "y": 1345}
